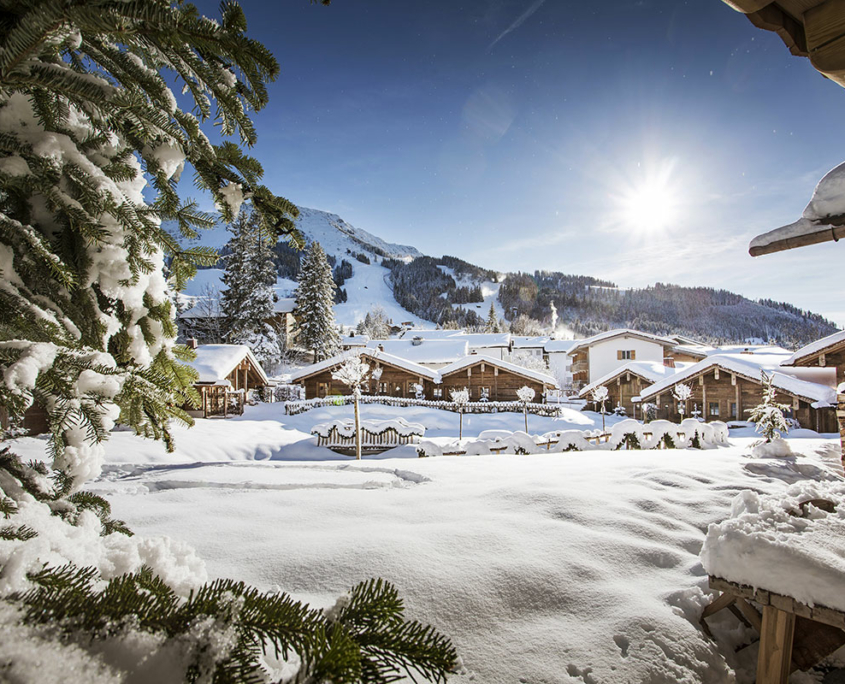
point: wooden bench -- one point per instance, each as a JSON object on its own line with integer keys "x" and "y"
{"x": 793, "y": 635}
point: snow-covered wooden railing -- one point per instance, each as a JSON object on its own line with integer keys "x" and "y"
{"x": 293, "y": 408}
{"x": 627, "y": 434}
{"x": 376, "y": 435}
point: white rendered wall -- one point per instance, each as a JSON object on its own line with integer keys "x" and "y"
{"x": 492, "y": 352}
{"x": 603, "y": 354}
{"x": 560, "y": 367}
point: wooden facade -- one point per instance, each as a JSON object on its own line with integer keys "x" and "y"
{"x": 501, "y": 384}
{"x": 622, "y": 389}
{"x": 581, "y": 367}
{"x": 394, "y": 382}
{"x": 34, "y": 420}
{"x": 228, "y": 395}
{"x": 831, "y": 356}
{"x": 724, "y": 395}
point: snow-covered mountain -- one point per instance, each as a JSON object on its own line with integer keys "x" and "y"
{"x": 369, "y": 285}
{"x": 336, "y": 236}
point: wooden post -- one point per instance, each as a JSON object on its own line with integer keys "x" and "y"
{"x": 357, "y": 428}
{"x": 775, "y": 659}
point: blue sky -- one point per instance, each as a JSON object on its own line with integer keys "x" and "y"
{"x": 511, "y": 132}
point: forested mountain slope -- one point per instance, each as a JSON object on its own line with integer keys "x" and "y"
{"x": 450, "y": 291}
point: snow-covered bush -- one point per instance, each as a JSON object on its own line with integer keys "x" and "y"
{"x": 768, "y": 415}
{"x": 682, "y": 394}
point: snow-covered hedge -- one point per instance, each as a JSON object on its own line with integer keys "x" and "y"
{"x": 293, "y": 408}
{"x": 627, "y": 434}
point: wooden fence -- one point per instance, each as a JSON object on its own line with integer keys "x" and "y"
{"x": 370, "y": 441}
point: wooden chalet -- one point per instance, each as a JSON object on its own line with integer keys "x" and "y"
{"x": 398, "y": 377}
{"x": 725, "y": 387}
{"x": 828, "y": 352}
{"x": 596, "y": 356}
{"x": 227, "y": 372}
{"x": 628, "y": 382}
{"x": 496, "y": 379}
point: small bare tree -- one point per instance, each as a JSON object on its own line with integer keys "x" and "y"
{"x": 526, "y": 395}
{"x": 599, "y": 396}
{"x": 682, "y": 394}
{"x": 352, "y": 373}
{"x": 460, "y": 398}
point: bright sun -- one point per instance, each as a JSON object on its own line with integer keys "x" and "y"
{"x": 650, "y": 206}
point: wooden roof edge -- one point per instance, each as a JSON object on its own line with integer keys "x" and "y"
{"x": 811, "y": 358}
{"x": 831, "y": 233}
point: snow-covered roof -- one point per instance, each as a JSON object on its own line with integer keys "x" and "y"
{"x": 622, "y": 332}
{"x": 410, "y": 333}
{"x": 427, "y": 351}
{"x": 557, "y": 346}
{"x": 529, "y": 342}
{"x": 214, "y": 362}
{"x": 355, "y": 340}
{"x": 751, "y": 367}
{"x": 473, "y": 359}
{"x": 650, "y": 371}
{"x": 373, "y": 354}
{"x": 486, "y": 340}
{"x": 823, "y": 219}
{"x": 817, "y": 348}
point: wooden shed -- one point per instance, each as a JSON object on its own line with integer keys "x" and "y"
{"x": 726, "y": 387}
{"x": 828, "y": 352}
{"x": 498, "y": 379}
{"x": 396, "y": 377}
{"x": 227, "y": 372}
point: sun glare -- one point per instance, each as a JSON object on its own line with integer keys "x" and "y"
{"x": 649, "y": 203}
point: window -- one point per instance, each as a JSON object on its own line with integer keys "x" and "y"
{"x": 733, "y": 409}
{"x": 626, "y": 355}
{"x": 438, "y": 393}
{"x": 322, "y": 389}
{"x": 484, "y": 393}
{"x": 714, "y": 408}
{"x": 382, "y": 388}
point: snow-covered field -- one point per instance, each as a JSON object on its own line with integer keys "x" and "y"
{"x": 547, "y": 568}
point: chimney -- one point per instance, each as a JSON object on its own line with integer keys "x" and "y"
{"x": 417, "y": 341}
{"x": 192, "y": 343}
{"x": 669, "y": 362}
{"x": 474, "y": 351}
{"x": 381, "y": 347}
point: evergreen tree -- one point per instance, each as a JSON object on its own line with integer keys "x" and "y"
{"x": 88, "y": 115}
{"x": 314, "y": 315}
{"x": 248, "y": 300}
{"x": 768, "y": 415}
{"x": 492, "y": 325}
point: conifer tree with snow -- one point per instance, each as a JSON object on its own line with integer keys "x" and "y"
{"x": 248, "y": 300}
{"x": 314, "y": 314}
{"x": 87, "y": 331}
{"x": 768, "y": 415}
{"x": 88, "y": 118}
{"x": 492, "y": 324}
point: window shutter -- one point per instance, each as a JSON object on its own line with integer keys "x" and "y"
{"x": 633, "y": 355}
{"x": 619, "y": 355}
